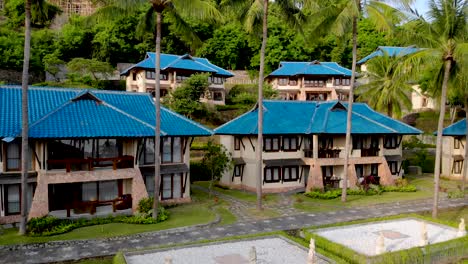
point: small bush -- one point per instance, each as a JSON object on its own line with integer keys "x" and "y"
{"x": 145, "y": 205}
{"x": 455, "y": 194}
{"x": 400, "y": 182}
{"x": 407, "y": 188}
{"x": 199, "y": 172}
{"x": 372, "y": 190}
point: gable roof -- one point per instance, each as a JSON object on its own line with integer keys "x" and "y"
{"x": 183, "y": 62}
{"x": 295, "y": 68}
{"x": 455, "y": 129}
{"x": 79, "y": 113}
{"x": 390, "y": 51}
{"x": 307, "y": 117}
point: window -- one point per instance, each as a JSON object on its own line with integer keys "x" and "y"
{"x": 327, "y": 171}
{"x": 346, "y": 82}
{"x": 134, "y": 76}
{"x": 13, "y": 156}
{"x": 393, "y": 165}
{"x": 325, "y": 142}
{"x": 316, "y": 96}
{"x": 375, "y": 169}
{"x": 290, "y": 143}
{"x": 181, "y": 78}
{"x": 237, "y": 143}
{"x": 391, "y": 142}
{"x": 171, "y": 150}
{"x": 290, "y": 173}
{"x": 456, "y": 143}
{"x": 238, "y": 170}
{"x": 359, "y": 170}
{"x": 12, "y": 194}
{"x": 271, "y": 144}
{"x": 217, "y": 96}
{"x": 108, "y": 190}
{"x": 282, "y": 81}
{"x": 457, "y": 166}
{"x": 147, "y": 153}
{"x": 293, "y": 82}
{"x": 272, "y": 174}
{"x": 171, "y": 186}
{"x": 357, "y": 142}
{"x": 149, "y": 182}
{"x": 151, "y": 75}
{"x": 216, "y": 80}
{"x": 314, "y": 83}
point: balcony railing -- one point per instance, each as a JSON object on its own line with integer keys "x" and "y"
{"x": 369, "y": 152}
{"x": 89, "y": 164}
{"x": 308, "y": 153}
{"x": 329, "y": 153}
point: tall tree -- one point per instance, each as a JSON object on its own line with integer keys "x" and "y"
{"x": 178, "y": 10}
{"x": 337, "y": 17}
{"x": 251, "y": 12}
{"x": 444, "y": 36}
{"x": 386, "y": 85}
{"x": 25, "y": 117}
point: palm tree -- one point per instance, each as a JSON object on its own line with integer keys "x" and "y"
{"x": 24, "y": 117}
{"x": 178, "y": 10}
{"x": 251, "y": 11}
{"x": 337, "y": 17}
{"x": 444, "y": 37}
{"x": 387, "y": 88}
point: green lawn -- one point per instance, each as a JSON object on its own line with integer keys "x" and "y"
{"x": 194, "y": 213}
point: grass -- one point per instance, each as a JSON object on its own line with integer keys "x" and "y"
{"x": 194, "y": 213}
{"x": 102, "y": 260}
{"x": 262, "y": 214}
{"x": 423, "y": 183}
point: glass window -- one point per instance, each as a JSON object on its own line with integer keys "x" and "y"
{"x": 217, "y": 96}
{"x": 147, "y": 155}
{"x": 272, "y": 174}
{"x": 13, "y": 156}
{"x": 171, "y": 186}
{"x": 290, "y": 143}
{"x": 237, "y": 170}
{"x": 456, "y": 143}
{"x": 282, "y": 81}
{"x": 167, "y": 186}
{"x": 391, "y": 142}
{"x": 171, "y": 150}
{"x": 237, "y": 143}
{"x": 290, "y": 173}
{"x": 457, "y": 166}
{"x": 271, "y": 144}
{"x": 13, "y": 199}
{"x": 108, "y": 190}
{"x": 292, "y": 82}
{"x": 375, "y": 169}
{"x": 357, "y": 142}
{"x": 151, "y": 75}
{"x": 327, "y": 171}
{"x": 359, "y": 170}
{"x": 149, "y": 182}
{"x": 89, "y": 191}
{"x": 393, "y": 165}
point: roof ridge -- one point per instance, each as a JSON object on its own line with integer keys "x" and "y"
{"x": 333, "y": 69}
{"x": 375, "y": 122}
{"x": 309, "y": 128}
{"x": 40, "y": 120}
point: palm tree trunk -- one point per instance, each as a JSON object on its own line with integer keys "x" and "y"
{"x": 157, "y": 103}
{"x": 260, "y": 107}
{"x": 465, "y": 164}
{"x": 349, "y": 114}
{"x": 440, "y": 126}
{"x": 24, "y": 118}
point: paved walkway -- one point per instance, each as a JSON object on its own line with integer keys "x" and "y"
{"x": 78, "y": 249}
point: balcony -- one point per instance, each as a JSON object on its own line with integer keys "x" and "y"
{"x": 369, "y": 152}
{"x": 308, "y": 153}
{"x": 329, "y": 153}
{"x": 89, "y": 164}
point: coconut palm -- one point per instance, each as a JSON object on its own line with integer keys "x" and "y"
{"x": 178, "y": 10}
{"x": 387, "y": 86}
{"x": 251, "y": 12}
{"x": 341, "y": 17}
{"x": 444, "y": 36}
{"x": 24, "y": 116}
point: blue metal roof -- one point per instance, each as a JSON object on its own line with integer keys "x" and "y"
{"x": 456, "y": 129}
{"x": 390, "y": 51}
{"x": 307, "y": 117}
{"x": 294, "y": 68}
{"x": 184, "y": 62}
{"x": 72, "y": 113}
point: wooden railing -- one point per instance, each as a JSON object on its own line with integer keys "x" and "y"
{"x": 90, "y": 163}
{"x": 369, "y": 152}
{"x": 329, "y": 153}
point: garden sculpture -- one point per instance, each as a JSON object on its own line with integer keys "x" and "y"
{"x": 380, "y": 246}
{"x": 311, "y": 258}
{"x": 253, "y": 256}
{"x": 461, "y": 228}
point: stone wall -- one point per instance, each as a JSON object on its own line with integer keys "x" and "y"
{"x": 14, "y": 77}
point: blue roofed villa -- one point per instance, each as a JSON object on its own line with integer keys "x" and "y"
{"x": 303, "y": 146}
{"x": 453, "y": 150}
{"x": 174, "y": 69}
{"x": 311, "y": 81}
{"x": 89, "y": 150}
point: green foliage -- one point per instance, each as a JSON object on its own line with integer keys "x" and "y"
{"x": 119, "y": 258}
{"x": 186, "y": 98}
{"x": 145, "y": 205}
{"x": 217, "y": 160}
{"x": 52, "y": 63}
{"x": 42, "y": 13}
{"x": 373, "y": 190}
{"x": 199, "y": 172}
{"x": 414, "y": 143}
{"x": 49, "y": 225}
{"x": 145, "y": 212}
{"x": 422, "y": 158}
{"x": 89, "y": 67}
{"x": 457, "y": 194}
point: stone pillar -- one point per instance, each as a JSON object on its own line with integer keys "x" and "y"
{"x": 138, "y": 189}
{"x": 40, "y": 203}
{"x": 315, "y": 146}
{"x": 315, "y": 179}
{"x": 385, "y": 174}
{"x": 352, "y": 178}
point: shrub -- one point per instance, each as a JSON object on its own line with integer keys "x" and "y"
{"x": 372, "y": 190}
{"x": 455, "y": 194}
{"x": 145, "y": 205}
{"x": 407, "y": 188}
{"x": 400, "y": 182}
{"x": 199, "y": 172}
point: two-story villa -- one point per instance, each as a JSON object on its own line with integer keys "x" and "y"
{"x": 90, "y": 148}
{"x": 304, "y": 146}
{"x": 175, "y": 69}
{"x": 453, "y": 150}
{"x": 311, "y": 81}
{"x": 419, "y": 99}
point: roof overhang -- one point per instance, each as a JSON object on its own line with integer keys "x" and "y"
{"x": 284, "y": 162}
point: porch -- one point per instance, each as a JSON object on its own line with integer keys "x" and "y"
{"x": 101, "y": 211}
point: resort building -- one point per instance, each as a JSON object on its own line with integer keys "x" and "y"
{"x": 175, "y": 69}
{"x": 453, "y": 150}
{"x": 303, "y": 146}
{"x": 90, "y": 148}
{"x": 311, "y": 81}
{"x": 419, "y": 100}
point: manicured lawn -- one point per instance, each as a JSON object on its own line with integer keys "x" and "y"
{"x": 104, "y": 260}
{"x": 194, "y": 213}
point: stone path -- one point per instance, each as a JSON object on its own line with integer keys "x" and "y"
{"x": 78, "y": 249}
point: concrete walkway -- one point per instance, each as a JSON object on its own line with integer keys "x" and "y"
{"x": 78, "y": 249}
